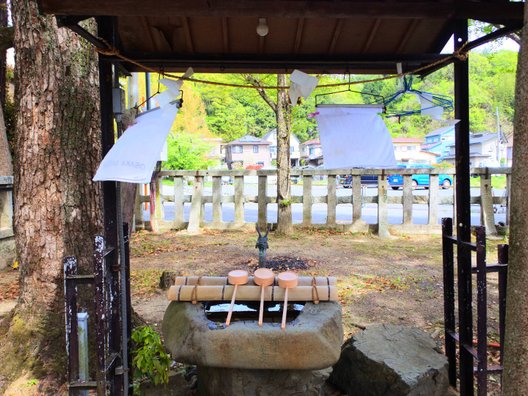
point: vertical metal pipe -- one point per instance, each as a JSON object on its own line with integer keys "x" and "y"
{"x": 70, "y": 310}
{"x": 84, "y": 369}
{"x": 502, "y": 254}
{"x": 147, "y": 90}
{"x": 463, "y": 214}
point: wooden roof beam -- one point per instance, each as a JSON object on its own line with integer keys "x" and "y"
{"x": 372, "y": 34}
{"x": 408, "y": 33}
{"x": 298, "y": 36}
{"x": 335, "y": 36}
{"x": 501, "y": 12}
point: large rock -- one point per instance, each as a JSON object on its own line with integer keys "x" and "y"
{"x": 391, "y": 360}
{"x": 310, "y": 342}
{"x": 229, "y": 382}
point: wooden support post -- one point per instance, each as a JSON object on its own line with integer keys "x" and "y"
{"x": 262, "y": 201}
{"x": 407, "y": 199}
{"x": 217, "y": 201}
{"x": 486, "y": 204}
{"x": 331, "y": 201}
{"x": 508, "y": 197}
{"x": 178, "y": 202}
{"x": 383, "y": 215}
{"x": 463, "y": 201}
{"x": 307, "y": 200}
{"x": 239, "y": 200}
{"x": 357, "y": 199}
{"x": 195, "y": 217}
{"x": 433, "y": 200}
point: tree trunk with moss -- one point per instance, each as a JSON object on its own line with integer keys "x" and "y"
{"x": 283, "y": 114}
{"x": 515, "y": 377}
{"x": 57, "y": 206}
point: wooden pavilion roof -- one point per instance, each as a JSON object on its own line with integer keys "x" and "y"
{"x": 324, "y": 36}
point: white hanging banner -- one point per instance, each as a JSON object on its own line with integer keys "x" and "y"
{"x": 354, "y": 136}
{"x": 301, "y": 85}
{"x": 133, "y": 157}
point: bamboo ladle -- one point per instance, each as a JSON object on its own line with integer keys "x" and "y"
{"x": 287, "y": 280}
{"x": 236, "y": 277}
{"x": 263, "y": 277}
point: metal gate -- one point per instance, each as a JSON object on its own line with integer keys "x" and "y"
{"x": 111, "y": 285}
{"x": 460, "y": 333}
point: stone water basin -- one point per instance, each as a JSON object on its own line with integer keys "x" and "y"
{"x": 311, "y": 341}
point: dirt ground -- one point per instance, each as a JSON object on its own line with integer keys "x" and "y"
{"x": 396, "y": 280}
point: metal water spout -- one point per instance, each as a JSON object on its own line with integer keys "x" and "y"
{"x": 262, "y": 245}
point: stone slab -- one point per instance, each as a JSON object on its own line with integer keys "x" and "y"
{"x": 228, "y": 382}
{"x": 310, "y": 342}
{"x": 391, "y": 360}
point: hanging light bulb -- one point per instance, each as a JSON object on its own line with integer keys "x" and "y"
{"x": 262, "y": 27}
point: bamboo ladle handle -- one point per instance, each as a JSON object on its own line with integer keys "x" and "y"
{"x": 263, "y": 277}
{"x": 287, "y": 280}
{"x": 236, "y": 277}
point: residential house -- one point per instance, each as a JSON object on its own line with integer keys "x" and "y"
{"x": 295, "y": 153}
{"x": 482, "y": 150}
{"x": 408, "y": 151}
{"x": 438, "y": 142}
{"x": 248, "y": 151}
{"x": 311, "y": 152}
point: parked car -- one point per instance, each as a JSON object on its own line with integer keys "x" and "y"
{"x": 370, "y": 180}
{"x": 396, "y": 181}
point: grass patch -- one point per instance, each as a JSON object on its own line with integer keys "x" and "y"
{"x": 497, "y": 181}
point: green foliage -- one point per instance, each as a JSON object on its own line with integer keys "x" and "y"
{"x": 187, "y": 151}
{"x": 149, "y": 359}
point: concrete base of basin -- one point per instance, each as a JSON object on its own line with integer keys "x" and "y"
{"x": 310, "y": 342}
{"x": 228, "y": 382}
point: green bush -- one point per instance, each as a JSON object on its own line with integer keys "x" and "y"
{"x": 149, "y": 359}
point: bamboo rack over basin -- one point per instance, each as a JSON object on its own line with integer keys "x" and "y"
{"x": 222, "y": 280}
{"x": 250, "y": 293}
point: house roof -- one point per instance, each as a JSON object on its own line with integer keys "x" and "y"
{"x": 476, "y": 138}
{"x": 351, "y": 36}
{"x": 440, "y": 131}
{"x": 248, "y": 139}
{"x": 406, "y": 140}
{"x": 311, "y": 142}
{"x": 430, "y": 145}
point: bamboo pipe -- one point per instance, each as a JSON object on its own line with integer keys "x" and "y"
{"x": 263, "y": 277}
{"x": 184, "y": 293}
{"x": 222, "y": 280}
{"x": 287, "y": 280}
{"x": 236, "y": 277}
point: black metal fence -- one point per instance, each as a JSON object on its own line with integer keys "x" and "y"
{"x": 464, "y": 367}
{"x": 109, "y": 327}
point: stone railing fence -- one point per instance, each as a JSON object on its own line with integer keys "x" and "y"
{"x": 187, "y": 195}
{"x": 7, "y": 245}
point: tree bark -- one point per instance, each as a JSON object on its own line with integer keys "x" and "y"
{"x": 284, "y": 214}
{"x": 57, "y": 206}
{"x": 515, "y": 376}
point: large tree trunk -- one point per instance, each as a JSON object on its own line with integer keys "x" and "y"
{"x": 515, "y": 377}
{"x": 57, "y": 206}
{"x": 284, "y": 214}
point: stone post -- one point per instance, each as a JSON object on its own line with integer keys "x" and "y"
{"x": 262, "y": 201}
{"x": 486, "y": 204}
{"x": 217, "y": 201}
{"x": 158, "y": 206}
{"x": 307, "y": 200}
{"x": 407, "y": 200}
{"x": 239, "y": 200}
{"x": 433, "y": 200}
{"x": 357, "y": 199}
{"x": 331, "y": 201}
{"x": 178, "y": 202}
{"x": 195, "y": 216}
{"x": 383, "y": 215}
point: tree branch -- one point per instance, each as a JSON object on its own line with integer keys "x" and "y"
{"x": 262, "y": 92}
